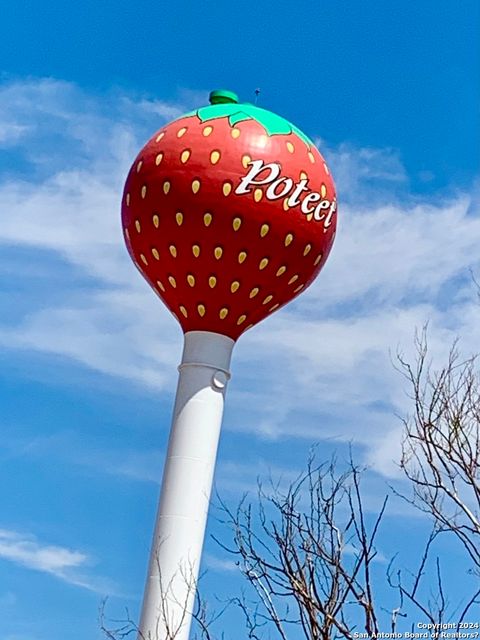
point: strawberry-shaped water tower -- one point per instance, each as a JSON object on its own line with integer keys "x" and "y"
{"x": 229, "y": 213}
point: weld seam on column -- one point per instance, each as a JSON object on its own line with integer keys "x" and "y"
{"x": 162, "y": 517}
{"x": 206, "y": 366}
{"x": 189, "y": 458}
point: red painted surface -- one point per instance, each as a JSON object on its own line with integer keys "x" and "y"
{"x": 200, "y": 245}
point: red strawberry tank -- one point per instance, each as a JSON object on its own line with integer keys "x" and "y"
{"x": 229, "y": 212}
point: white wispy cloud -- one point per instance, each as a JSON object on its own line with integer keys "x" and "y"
{"x": 321, "y": 368}
{"x": 364, "y": 173}
{"x": 214, "y": 563}
{"x": 66, "y": 564}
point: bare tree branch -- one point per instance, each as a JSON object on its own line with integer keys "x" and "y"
{"x": 441, "y": 447}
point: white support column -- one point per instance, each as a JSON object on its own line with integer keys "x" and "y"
{"x": 187, "y": 481}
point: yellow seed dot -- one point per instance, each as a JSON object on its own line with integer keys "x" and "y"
{"x": 311, "y": 157}
{"x": 179, "y": 217}
{"x": 245, "y": 160}
{"x": 137, "y": 226}
{"x": 143, "y": 259}
{"x": 215, "y": 157}
{"x": 139, "y": 166}
{"x": 212, "y": 281}
{"x": 293, "y": 279}
{"x": 160, "y": 136}
{"x": 285, "y": 205}
{"x": 166, "y": 187}
{"x": 309, "y": 217}
{"x": 290, "y": 147}
{"x": 155, "y": 254}
{"x": 185, "y": 156}
{"x": 241, "y": 319}
{"x": 207, "y": 131}
{"x": 160, "y": 286}
{"x": 172, "y": 281}
{"x": 264, "y": 230}
{"x": 263, "y": 263}
{"x": 303, "y": 175}
{"x": 281, "y": 271}
{"x": 196, "y": 186}
{"x": 181, "y": 132}
{"x": 196, "y": 250}
{"x": 288, "y": 239}
{"x": 307, "y": 249}
{"x": 127, "y": 235}
{"x": 299, "y": 288}
{"x": 144, "y": 191}
{"x": 326, "y": 169}
{"x": 207, "y": 219}
{"x": 235, "y": 133}
{"x": 234, "y": 286}
{"x": 127, "y": 199}
{"x": 173, "y": 250}
{"x": 201, "y": 310}
{"x": 237, "y": 223}
{"x": 183, "y": 311}
{"x": 191, "y": 280}
{"x": 317, "y": 259}
{"x": 253, "y": 292}
{"x": 223, "y": 313}
{"x": 227, "y": 188}
{"x": 156, "y": 221}
{"x": 158, "y": 158}
{"x": 257, "y": 195}
{"x": 275, "y": 306}
{"x": 323, "y": 191}
{"x": 218, "y": 252}
{"x": 267, "y": 299}
{"x": 242, "y": 256}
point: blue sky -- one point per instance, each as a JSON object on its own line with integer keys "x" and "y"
{"x": 390, "y": 91}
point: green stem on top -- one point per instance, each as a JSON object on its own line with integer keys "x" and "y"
{"x": 224, "y": 104}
